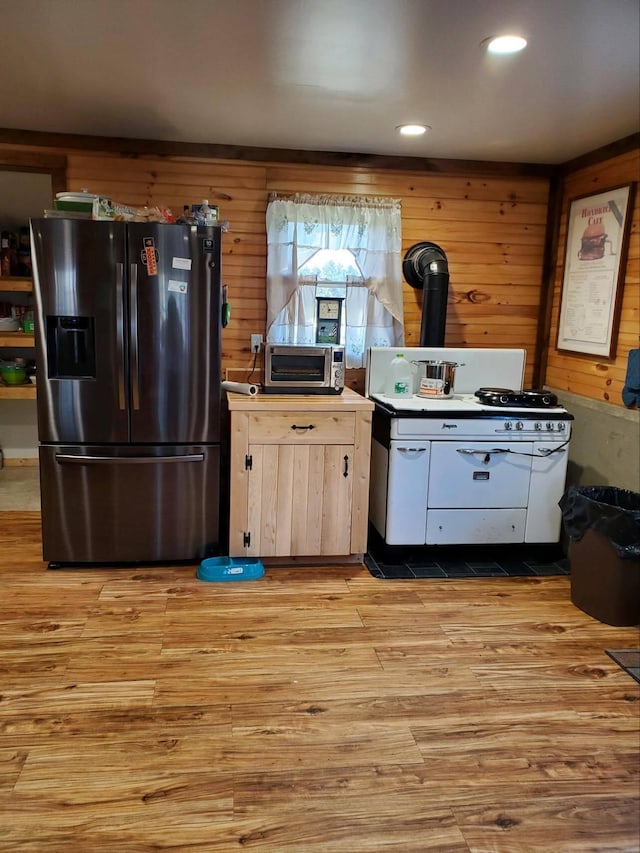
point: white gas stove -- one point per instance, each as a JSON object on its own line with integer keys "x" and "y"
{"x": 459, "y": 470}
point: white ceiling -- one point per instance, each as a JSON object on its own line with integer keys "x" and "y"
{"x": 327, "y": 75}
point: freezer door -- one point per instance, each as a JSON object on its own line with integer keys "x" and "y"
{"x": 79, "y": 286}
{"x": 127, "y": 504}
{"x": 174, "y": 306}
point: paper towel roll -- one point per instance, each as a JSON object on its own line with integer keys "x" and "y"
{"x": 241, "y": 388}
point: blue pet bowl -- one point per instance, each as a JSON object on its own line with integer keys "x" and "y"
{"x": 230, "y": 569}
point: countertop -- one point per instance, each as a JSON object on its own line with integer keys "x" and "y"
{"x": 348, "y": 401}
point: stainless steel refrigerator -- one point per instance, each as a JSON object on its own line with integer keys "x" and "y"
{"x": 128, "y": 390}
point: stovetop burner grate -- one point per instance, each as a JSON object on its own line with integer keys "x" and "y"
{"x": 505, "y": 397}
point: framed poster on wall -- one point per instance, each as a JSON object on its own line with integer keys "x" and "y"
{"x": 594, "y": 266}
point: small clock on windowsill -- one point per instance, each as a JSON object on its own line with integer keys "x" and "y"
{"x": 328, "y": 319}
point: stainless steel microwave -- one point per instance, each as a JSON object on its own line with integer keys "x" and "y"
{"x": 312, "y": 369}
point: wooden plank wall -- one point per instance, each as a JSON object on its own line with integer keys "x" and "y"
{"x": 492, "y": 229}
{"x": 598, "y": 378}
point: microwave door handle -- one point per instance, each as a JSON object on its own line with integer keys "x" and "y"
{"x": 135, "y": 354}
{"x": 120, "y": 333}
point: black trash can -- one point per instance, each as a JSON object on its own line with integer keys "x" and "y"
{"x": 603, "y": 525}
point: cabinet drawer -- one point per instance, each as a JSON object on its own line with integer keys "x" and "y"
{"x": 302, "y": 428}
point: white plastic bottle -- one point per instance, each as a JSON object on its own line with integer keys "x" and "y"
{"x": 399, "y": 378}
{"x": 206, "y": 215}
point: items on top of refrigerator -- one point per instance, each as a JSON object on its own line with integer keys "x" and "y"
{"x": 205, "y": 215}
{"x": 81, "y": 202}
{"x": 199, "y": 214}
{"x": 110, "y": 210}
{"x": 202, "y": 214}
{"x": 86, "y": 205}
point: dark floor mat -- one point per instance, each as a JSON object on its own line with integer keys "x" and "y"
{"x": 628, "y": 660}
{"x": 408, "y": 562}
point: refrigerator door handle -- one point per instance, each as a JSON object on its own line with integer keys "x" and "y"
{"x": 135, "y": 362}
{"x": 120, "y": 333}
{"x": 64, "y": 458}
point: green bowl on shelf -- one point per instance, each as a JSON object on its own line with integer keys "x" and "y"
{"x": 13, "y": 374}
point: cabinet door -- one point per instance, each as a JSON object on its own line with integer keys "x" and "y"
{"x": 299, "y": 500}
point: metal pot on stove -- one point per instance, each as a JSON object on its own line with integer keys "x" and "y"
{"x": 438, "y": 379}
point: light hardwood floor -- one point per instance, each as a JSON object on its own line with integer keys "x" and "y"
{"x": 315, "y": 710}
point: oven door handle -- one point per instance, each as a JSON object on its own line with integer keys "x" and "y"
{"x": 486, "y": 454}
{"x": 469, "y": 451}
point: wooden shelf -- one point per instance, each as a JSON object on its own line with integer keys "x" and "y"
{"x": 17, "y": 392}
{"x": 12, "y": 283}
{"x": 16, "y": 283}
{"x": 16, "y": 339}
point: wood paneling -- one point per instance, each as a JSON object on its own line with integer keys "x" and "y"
{"x": 492, "y": 227}
{"x": 596, "y": 377}
{"x": 316, "y": 710}
{"x": 491, "y": 220}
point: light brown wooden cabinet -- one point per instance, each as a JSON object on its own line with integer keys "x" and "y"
{"x": 299, "y": 475}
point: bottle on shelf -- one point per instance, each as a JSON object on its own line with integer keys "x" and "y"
{"x": 8, "y": 253}
{"x": 28, "y": 323}
{"x": 23, "y": 265}
{"x": 399, "y": 378}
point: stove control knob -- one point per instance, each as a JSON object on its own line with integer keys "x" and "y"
{"x": 549, "y": 425}
{"x": 537, "y": 426}
{"x": 519, "y": 425}
{"x": 561, "y": 426}
{"x": 508, "y": 425}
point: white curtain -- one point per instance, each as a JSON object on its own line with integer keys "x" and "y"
{"x": 300, "y": 226}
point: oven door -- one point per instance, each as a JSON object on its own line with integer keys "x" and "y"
{"x": 478, "y": 492}
{"x": 408, "y": 479}
{"x": 479, "y": 474}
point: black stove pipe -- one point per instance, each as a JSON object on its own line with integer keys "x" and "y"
{"x": 425, "y": 267}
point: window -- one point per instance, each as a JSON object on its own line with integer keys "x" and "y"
{"x": 335, "y": 246}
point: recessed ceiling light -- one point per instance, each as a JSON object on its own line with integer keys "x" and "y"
{"x": 412, "y": 129}
{"x": 504, "y": 44}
